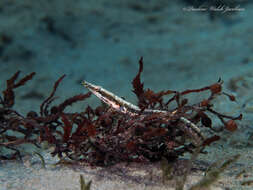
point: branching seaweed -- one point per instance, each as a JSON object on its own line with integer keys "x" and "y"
{"x": 119, "y": 132}
{"x": 83, "y": 185}
{"x": 213, "y": 174}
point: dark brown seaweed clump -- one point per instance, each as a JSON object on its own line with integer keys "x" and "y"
{"x": 104, "y": 136}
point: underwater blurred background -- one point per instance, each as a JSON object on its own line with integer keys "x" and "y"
{"x": 101, "y": 42}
